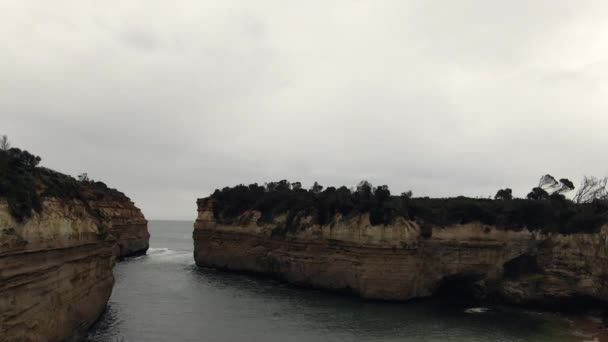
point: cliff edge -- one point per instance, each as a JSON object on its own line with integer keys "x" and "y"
{"x": 125, "y": 221}
{"x": 407, "y": 258}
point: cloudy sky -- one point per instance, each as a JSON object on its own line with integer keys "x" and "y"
{"x": 168, "y": 100}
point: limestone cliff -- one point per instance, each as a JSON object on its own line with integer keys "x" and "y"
{"x": 403, "y": 260}
{"x": 126, "y": 223}
{"x": 59, "y": 240}
{"x": 55, "y": 271}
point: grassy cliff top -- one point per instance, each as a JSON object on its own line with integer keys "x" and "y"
{"x": 553, "y": 213}
{"x": 24, "y": 184}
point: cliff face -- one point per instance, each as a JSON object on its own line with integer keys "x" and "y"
{"x": 55, "y": 272}
{"x": 59, "y": 240}
{"x": 398, "y": 262}
{"x": 126, "y": 223}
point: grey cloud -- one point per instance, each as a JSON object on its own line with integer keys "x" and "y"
{"x": 168, "y": 101}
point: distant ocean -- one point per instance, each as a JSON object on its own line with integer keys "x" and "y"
{"x": 163, "y": 296}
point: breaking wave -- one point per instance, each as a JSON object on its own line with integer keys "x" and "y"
{"x": 476, "y": 310}
{"x": 166, "y": 254}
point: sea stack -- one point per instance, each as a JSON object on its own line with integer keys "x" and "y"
{"x": 400, "y": 248}
{"x": 57, "y": 249}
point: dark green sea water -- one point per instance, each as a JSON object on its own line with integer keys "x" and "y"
{"x": 163, "y": 296}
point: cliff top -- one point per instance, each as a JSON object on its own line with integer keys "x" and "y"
{"x": 551, "y": 213}
{"x": 24, "y": 184}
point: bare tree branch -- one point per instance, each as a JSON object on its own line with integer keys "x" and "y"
{"x": 591, "y": 188}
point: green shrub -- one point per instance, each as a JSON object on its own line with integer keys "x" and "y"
{"x": 552, "y": 213}
{"x": 24, "y": 185}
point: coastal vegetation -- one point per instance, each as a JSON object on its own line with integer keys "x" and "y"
{"x": 545, "y": 208}
{"x": 25, "y": 184}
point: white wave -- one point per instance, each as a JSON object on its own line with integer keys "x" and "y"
{"x": 166, "y": 254}
{"x": 476, "y": 310}
{"x": 156, "y": 251}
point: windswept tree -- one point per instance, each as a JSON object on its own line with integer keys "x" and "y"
{"x": 565, "y": 185}
{"x": 5, "y": 144}
{"x": 591, "y": 188}
{"x": 504, "y": 194}
{"x": 548, "y": 183}
{"x": 549, "y": 186}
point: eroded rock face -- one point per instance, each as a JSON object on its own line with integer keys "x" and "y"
{"x": 399, "y": 262}
{"x": 127, "y": 223}
{"x": 55, "y": 272}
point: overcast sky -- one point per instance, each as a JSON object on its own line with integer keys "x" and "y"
{"x": 168, "y": 100}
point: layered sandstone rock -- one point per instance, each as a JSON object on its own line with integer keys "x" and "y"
{"x": 126, "y": 223}
{"x": 55, "y": 272}
{"x": 398, "y": 262}
{"x": 59, "y": 240}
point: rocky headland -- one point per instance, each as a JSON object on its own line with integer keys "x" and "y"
{"x": 59, "y": 241}
{"x": 548, "y": 253}
{"x": 124, "y": 220}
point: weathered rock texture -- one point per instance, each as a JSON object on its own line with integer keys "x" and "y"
{"x": 55, "y": 272}
{"x": 396, "y": 262}
{"x": 126, "y": 223}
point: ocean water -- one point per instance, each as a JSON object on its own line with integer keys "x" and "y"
{"x": 163, "y": 296}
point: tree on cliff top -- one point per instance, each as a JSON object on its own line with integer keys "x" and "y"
{"x": 18, "y": 182}
{"x": 565, "y": 185}
{"x": 5, "y": 144}
{"x": 548, "y": 187}
{"x": 504, "y": 194}
{"x": 591, "y": 188}
{"x": 316, "y": 188}
{"x": 83, "y": 177}
{"x": 538, "y": 193}
{"x": 547, "y": 183}
{"x": 553, "y": 214}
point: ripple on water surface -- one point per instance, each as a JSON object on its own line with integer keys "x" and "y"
{"x": 163, "y": 296}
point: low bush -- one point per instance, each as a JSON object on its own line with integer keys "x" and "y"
{"x": 24, "y": 185}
